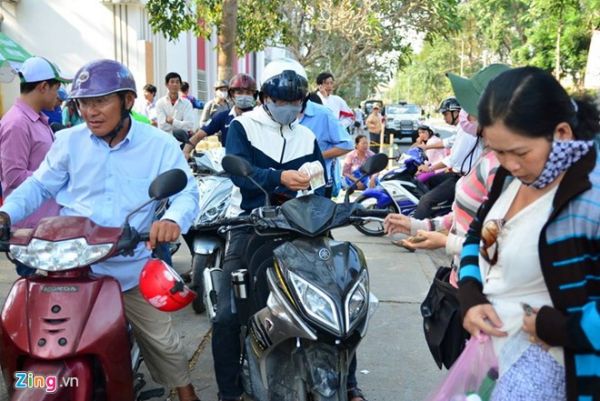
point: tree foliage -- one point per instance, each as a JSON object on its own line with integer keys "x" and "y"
{"x": 551, "y": 34}
{"x": 357, "y": 40}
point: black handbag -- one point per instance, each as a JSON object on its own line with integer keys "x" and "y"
{"x": 442, "y": 320}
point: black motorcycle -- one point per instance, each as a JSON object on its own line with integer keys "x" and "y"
{"x": 303, "y": 297}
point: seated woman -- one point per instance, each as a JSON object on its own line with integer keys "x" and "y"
{"x": 426, "y": 136}
{"x": 352, "y": 163}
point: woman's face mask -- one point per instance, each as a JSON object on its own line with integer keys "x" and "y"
{"x": 468, "y": 126}
{"x": 244, "y": 102}
{"x": 284, "y": 114}
{"x": 221, "y": 94}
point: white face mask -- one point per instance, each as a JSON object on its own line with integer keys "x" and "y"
{"x": 221, "y": 94}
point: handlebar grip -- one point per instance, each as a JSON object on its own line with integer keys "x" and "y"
{"x": 234, "y": 220}
{"x": 382, "y": 213}
{"x": 144, "y": 237}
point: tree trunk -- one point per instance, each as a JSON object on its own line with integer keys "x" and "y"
{"x": 226, "y": 40}
{"x": 558, "y": 37}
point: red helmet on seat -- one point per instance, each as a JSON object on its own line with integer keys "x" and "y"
{"x": 163, "y": 288}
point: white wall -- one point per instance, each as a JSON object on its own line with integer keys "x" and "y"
{"x": 74, "y": 32}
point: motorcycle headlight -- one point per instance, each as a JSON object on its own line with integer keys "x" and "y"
{"x": 356, "y": 302}
{"x": 213, "y": 213}
{"x": 61, "y": 255}
{"x": 316, "y": 303}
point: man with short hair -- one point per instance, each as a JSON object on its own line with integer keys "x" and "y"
{"x": 147, "y": 105}
{"x": 173, "y": 112}
{"x": 26, "y": 136}
{"x": 218, "y": 104}
{"x": 102, "y": 170}
{"x": 336, "y": 104}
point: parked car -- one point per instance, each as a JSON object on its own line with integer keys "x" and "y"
{"x": 368, "y": 106}
{"x": 402, "y": 120}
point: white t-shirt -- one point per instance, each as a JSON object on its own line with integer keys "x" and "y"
{"x": 517, "y": 275}
{"x": 339, "y": 108}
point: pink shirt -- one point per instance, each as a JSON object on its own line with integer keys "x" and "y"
{"x": 25, "y": 138}
{"x": 353, "y": 161}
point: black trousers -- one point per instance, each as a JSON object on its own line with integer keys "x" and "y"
{"x": 443, "y": 189}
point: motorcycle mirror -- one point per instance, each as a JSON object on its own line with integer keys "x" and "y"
{"x": 181, "y": 136}
{"x": 239, "y": 167}
{"x": 374, "y": 164}
{"x": 168, "y": 183}
{"x": 236, "y": 166}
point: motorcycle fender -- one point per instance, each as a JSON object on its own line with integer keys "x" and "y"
{"x": 206, "y": 245}
{"x": 383, "y": 198}
{"x": 275, "y": 324}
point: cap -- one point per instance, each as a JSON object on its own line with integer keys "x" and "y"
{"x": 469, "y": 90}
{"x": 37, "y": 69}
{"x": 222, "y": 83}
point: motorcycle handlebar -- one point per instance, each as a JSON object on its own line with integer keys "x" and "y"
{"x": 381, "y": 213}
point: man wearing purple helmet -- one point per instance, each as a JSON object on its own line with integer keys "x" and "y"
{"x": 102, "y": 170}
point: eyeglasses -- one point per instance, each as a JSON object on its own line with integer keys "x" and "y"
{"x": 489, "y": 237}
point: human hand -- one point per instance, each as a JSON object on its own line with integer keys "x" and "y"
{"x": 396, "y": 223}
{"x": 187, "y": 151}
{"x": 163, "y": 231}
{"x": 424, "y": 168}
{"x": 432, "y": 240}
{"x": 422, "y": 145}
{"x": 483, "y": 318}
{"x": 169, "y": 120}
{"x": 529, "y": 327}
{"x": 295, "y": 180}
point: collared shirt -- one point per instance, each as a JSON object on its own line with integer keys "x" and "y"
{"x": 25, "y": 138}
{"x": 88, "y": 178}
{"x": 328, "y": 130}
{"x": 181, "y": 111}
{"x": 339, "y": 108}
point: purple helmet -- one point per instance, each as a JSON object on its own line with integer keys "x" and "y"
{"x": 100, "y": 78}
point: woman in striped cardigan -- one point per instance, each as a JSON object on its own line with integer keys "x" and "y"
{"x": 530, "y": 268}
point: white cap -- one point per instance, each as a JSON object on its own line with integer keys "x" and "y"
{"x": 276, "y": 67}
{"x": 37, "y": 69}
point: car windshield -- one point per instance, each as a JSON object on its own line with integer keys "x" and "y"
{"x": 406, "y": 109}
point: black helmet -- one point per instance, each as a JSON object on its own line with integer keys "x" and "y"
{"x": 284, "y": 79}
{"x": 449, "y": 104}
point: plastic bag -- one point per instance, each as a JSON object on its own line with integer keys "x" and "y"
{"x": 473, "y": 375}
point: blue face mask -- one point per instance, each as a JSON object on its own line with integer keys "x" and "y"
{"x": 244, "y": 102}
{"x": 284, "y": 114}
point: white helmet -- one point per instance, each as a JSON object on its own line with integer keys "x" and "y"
{"x": 284, "y": 79}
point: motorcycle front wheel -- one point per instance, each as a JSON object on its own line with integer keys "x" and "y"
{"x": 199, "y": 263}
{"x": 372, "y": 228}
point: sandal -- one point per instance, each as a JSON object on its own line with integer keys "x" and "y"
{"x": 355, "y": 393}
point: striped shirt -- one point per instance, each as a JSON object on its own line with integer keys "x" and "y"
{"x": 569, "y": 249}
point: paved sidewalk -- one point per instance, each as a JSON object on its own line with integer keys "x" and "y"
{"x": 393, "y": 361}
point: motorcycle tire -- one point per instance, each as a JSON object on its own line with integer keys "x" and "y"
{"x": 365, "y": 228}
{"x": 199, "y": 263}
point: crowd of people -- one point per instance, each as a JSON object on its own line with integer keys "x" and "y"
{"x": 521, "y": 172}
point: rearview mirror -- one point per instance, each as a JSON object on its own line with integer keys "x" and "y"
{"x": 374, "y": 164}
{"x": 236, "y": 166}
{"x": 168, "y": 183}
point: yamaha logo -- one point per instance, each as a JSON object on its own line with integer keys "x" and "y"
{"x": 324, "y": 254}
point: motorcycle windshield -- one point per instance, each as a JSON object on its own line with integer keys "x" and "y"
{"x": 311, "y": 214}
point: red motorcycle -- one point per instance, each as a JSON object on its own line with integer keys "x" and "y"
{"x": 64, "y": 335}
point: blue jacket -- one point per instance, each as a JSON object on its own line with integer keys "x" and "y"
{"x": 270, "y": 148}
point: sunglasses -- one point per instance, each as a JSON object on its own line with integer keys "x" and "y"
{"x": 489, "y": 236}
